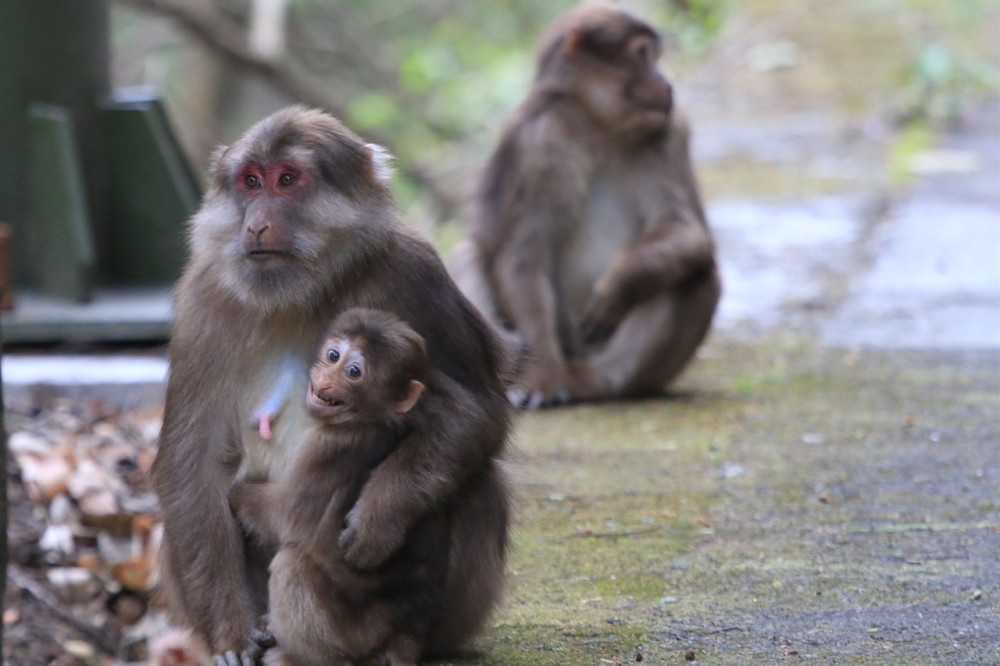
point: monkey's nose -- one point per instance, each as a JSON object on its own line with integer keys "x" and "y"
{"x": 258, "y": 232}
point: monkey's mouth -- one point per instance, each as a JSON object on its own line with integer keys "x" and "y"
{"x": 264, "y": 256}
{"x": 656, "y": 112}
{"x": 325, "y": 407}
{"x": 330, "y": 402}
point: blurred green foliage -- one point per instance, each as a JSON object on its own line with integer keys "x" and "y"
{"x": 442, "y": 76}
{"x": 435, "y": 80}
{"x": 947, "y": 67}
{"x": 694, "y": 25}
{"x": 913, "y": 139}
{"x": 941, "y": 81}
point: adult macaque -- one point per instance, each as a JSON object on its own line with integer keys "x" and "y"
{"x": 284, "y": 386}
{"x": 590, "y": 243}
{"x": 362, "y": 388}
{"x": 298, "y": 225}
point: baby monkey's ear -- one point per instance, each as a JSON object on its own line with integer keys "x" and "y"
{"x": 412, "y": 395}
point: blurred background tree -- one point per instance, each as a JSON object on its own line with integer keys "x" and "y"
{"x": 434, "y": 79}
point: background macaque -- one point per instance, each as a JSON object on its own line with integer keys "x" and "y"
{"x": 368, "y": 377}
{"x": 590, "y": 242}
{"x": 298, "y": 225}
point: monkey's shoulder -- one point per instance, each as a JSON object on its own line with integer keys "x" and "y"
{"x": 413, "y": 283}
{"x": 542, "y": 136}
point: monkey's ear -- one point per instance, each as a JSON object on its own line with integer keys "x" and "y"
{"x": 215, "y": 160}
{"x": 217, "y": 153}
{"x": 412, "y": 395}
{"x": 381, "y": 162}
{"x": 573, "y": 42}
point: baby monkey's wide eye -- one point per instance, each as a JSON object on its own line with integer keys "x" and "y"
{"x": 354, "y": 372}
{"x": 251, "y": 181}
{"x": 286, "y": 179}
{"x": 332, "y": 355}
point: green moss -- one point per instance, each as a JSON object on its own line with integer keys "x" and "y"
{"x": 780, "y": 488}
{"x": 913, "y": 140}
{"x": 559, "y": 645}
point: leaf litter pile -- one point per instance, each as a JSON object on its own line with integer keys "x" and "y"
{"x": 83, "y": 533}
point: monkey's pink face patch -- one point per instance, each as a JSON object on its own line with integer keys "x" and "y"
{"x": 282, "y": 178}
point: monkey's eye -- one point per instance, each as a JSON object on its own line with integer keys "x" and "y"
{"x": 286, "y": 179}
{"x": 251, "y": 181}
{"x": 645, "y": 51}
{"x": 332, "y": 355}
{"x": 354, "y": 372}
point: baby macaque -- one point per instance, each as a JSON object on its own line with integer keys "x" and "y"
{"x": 368, "y": 372}
{"x": 368, "y": 376}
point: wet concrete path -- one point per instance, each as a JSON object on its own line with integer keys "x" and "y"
{"x": 930, "y": 273}
{"x": 915, "y": 268}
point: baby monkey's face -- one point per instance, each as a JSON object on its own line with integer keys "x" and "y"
{"x": 340, "y": 385}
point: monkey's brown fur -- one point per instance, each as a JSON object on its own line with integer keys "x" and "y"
{"x": 298, "y": 225}
{"x": 362, "y": 388}
{"x": 590, "y": 243}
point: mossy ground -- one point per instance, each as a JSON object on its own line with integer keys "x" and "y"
{"x": 785, "y": 503}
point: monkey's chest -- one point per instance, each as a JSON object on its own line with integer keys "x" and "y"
{"x": 271, "y": 458}
{"x": 610, "y": 221}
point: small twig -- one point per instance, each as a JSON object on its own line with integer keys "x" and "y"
{"x": 722, "y": 631}
{"x": 699, "y": 633}
{"x": 590, "y": 534}
{"x": 97, "y": 636}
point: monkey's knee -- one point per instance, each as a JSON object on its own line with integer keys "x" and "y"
{"x": 644, "y": 353}
{"x": 695, "y": 312}
{"x": 477, "y": 565}
{"x": 689, "y": 317}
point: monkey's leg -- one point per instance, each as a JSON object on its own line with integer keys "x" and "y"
{"x": 298, "y": 616}
{"x": 474, "y": 582}
{"x": 655, "y": 341}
